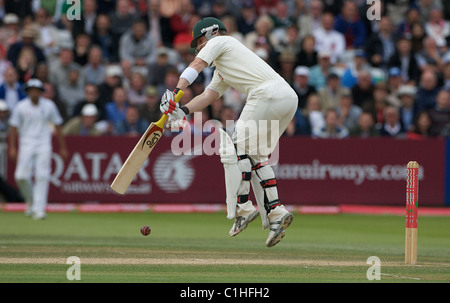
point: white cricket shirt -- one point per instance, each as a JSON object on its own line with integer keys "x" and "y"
{"x": 33, "y": 121}
{"x": 236, "y": 66}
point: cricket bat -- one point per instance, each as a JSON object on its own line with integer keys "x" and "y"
{"x": 140, "y": 152}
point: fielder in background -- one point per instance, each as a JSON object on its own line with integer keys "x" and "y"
{"x": 30, "y": 121}
{"x": 270, "y": 106}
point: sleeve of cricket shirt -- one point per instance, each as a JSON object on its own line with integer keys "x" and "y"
{"x": 218, "y": 84}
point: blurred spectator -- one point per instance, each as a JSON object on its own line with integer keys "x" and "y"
{"x": 332, "y": 92}
{"x": 437, "y": 27}
{"x": 427, "y": 91}
{"x": 51, "y": 93}
{"x": 417, "y": 37}
{"x": 392, "y": 126}
{"x": 71, "y": 91}
{"x": 264, "y": 7}
{"x": 328, "y": 39}
{"x": 421, "y": 128}
{"x": 59, "y": 69}
{"x": 362, "y": 92}
{"x": 116, "y": 109}
{"x": 282, "y": 19}
{"x": 431, "y": 57}
{"x": 159, "y": 26}
{"x": 301, "y": 86}
{"x": 94, "y": 70}
{"x": 22, "y": 8}
{"x": 380, "y": 46}
{"x": 348, "y": 112}
{"x": 171, "y": 81}
{"x": 397, "y": 10}
{"x": 85, "y": 124}
{"x": 136, "y": 91}
{"x": 86, "y": 23}
{"x": 440, "y": 113}
{"x": 91, "y": 96}
{"x": 150, "y": 109}
{"x": 290, "y": 40}
{"x": 350, "y": 75}
{"x": 157, "y": 70}
{"x": 11, "y": 91}
{"x": 262, "y": 36}
{"x": 4, "y": 117}
{"x": 136, "y": 46}
{"x": 113, "y": 75}
{"x": 4, "y": 64}
{"x": 307, "y": 56}
{"x": 247, "y": 18}
{"x": 427, "y": 6}
{"x": 219, "y": 9}
{"x": 446, "y": 74}
{"x": 405, "y": 28}
{"x": 47, "y": 37}
{"x": 232, "y": 30}
{"x": 287, "y": 61}
{"x": 394, "y": 80}
{"x": 26, "y": 65}
{"x": 179, "y": 22}
{"x": 405, "y": 60}
{"x": 312, "y": 20}
{"x": 332, "y": 128}
{"x": 132, "y": 125}
{"x": 28, "y": 41}
{"x": 81, "y": 49}
{"x": 408, "y": 113}
{"x": 313, "y": 113}
{"x": 122, "y": 18}
{"x": 350, "y": 25}
{"x": 318, "y": 73}
{"x": 106, "y": 39}
{"x": 9, "y": 31}
{"x": 365, "y": 128}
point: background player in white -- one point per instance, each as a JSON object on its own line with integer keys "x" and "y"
{"x": 30, "y": 121}
{"x": 270, "y": 100}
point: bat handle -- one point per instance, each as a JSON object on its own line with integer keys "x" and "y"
{"x": 178, "y": 94}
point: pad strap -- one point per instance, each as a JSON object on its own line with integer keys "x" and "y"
{"x": 269, "y": 183}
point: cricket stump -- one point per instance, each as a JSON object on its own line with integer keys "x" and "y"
{"x": 412, "y": 198}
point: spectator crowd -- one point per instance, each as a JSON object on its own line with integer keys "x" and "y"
{"x": 354, "y": 76}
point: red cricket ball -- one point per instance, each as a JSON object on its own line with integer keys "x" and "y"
{"x": 145, "y": 230}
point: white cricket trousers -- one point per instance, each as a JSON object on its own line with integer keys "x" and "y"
{"x": 34, "y": 160}
{"x": 267, "y": 113}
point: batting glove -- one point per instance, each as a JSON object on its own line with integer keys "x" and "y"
{"x": 168, "y": 105}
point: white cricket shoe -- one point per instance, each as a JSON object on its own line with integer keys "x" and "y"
{"x": 279, "y": 219}
{"x": 245, "y": 213}
{"x": 28, "y": 211}
{"x": 39, "y": 216}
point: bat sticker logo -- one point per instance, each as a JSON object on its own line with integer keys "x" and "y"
{"x": 152, "y": 141}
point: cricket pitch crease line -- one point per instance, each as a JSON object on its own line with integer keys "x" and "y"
{"x": 192, "y": 261}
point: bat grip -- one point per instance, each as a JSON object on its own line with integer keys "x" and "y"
{"x": 178, "y": 94}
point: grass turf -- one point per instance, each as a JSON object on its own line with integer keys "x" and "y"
{"x": 189, "y": 248}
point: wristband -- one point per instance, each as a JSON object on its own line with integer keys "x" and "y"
{"x": 185, "y": 109}
{"x": 190, "y": 74}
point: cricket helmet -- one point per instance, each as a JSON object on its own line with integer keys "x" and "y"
{"x": 206, "y": 26}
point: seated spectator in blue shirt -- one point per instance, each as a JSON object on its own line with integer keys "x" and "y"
{"x": 11, "y": 90}
{"x": 132, "y": 125}
{"x": 116, "y": 109}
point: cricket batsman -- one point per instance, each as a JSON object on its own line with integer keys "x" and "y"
{"x": 270, "y": 106}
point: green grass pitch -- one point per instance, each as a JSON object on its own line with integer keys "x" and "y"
{"x": 189, "y": 248}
